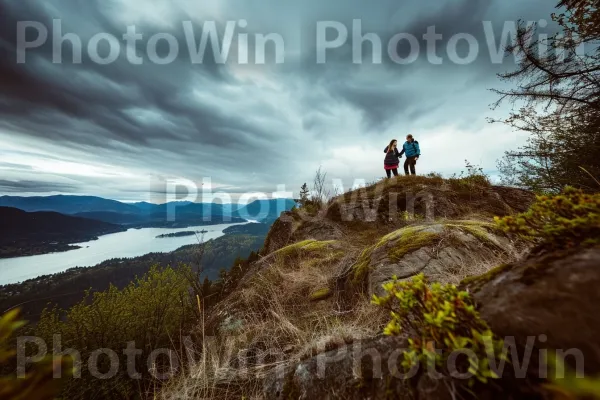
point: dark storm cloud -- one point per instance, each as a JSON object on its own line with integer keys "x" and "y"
{"x": 207, "y": 120}
{"x": 34, "y": 187}
{"x": 379, "y": 100}
{"x": 40, "y": 92}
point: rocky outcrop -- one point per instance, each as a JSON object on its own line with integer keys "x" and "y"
{"x": 437, "y": 250}
{"x": 392, "y": 202}
{"x": 543, "y": 303}
{"x": 280, "y": 234}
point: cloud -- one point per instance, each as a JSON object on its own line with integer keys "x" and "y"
{"x": 33, "y": 187}
{"x": 248, "y": 127}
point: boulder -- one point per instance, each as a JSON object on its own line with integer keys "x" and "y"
{"x": 546, "y": 302}
{"x": 436, "y": 250}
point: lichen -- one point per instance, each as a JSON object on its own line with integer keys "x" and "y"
{"x": 320, "y": 294}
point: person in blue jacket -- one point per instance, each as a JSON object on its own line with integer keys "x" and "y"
{"x": 412, "y": 151}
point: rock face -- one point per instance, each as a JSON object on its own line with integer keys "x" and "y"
{"x": 280, "y": 233}
{"x": 435, "y": 250}
{"x": 555, "y": 296}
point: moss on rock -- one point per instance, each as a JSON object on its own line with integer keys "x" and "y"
{"x": 309, "y": 245}
{"x": 406, "y": 240}
{"x": 361, "y": 267}
{"x": 474, "y": 283}
{"x": 479, "y": 229}
{"x": 407, "y": 244}
{"x": 321, "y": 294}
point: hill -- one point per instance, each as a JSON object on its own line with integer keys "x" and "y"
{"x": 265, "y": 210}
{"x": 28, "y": 233}
{"x": 303, "y": 316}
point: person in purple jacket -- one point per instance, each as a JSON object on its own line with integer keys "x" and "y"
{"x": 392, "y": 159}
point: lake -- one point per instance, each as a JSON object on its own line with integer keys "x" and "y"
{"x": 132, "y": 243}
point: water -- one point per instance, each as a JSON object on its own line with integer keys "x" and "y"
{"x": 132, "y": 243}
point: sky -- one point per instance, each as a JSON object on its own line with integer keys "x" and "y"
{"x": 128, "y": 119}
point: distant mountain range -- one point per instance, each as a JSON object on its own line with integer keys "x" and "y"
{"x": 143, "y": 214}
{"x": 29, "y": 233}
{"x": 67, "y": 204}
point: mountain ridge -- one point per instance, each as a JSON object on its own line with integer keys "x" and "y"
{"x": 144, "y": 214}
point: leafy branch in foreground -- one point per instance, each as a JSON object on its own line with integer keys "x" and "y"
{"x": 39, "y": 382}
{"x": 440, "y": 317}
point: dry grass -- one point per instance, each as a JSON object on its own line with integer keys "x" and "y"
{"x": 272, "y": 322}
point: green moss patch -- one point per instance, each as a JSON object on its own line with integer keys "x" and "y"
{"x": 310, "y": 254}
{"x": 406, "y": 240}
{"x": 475, "y": 283}
{"x": 305, "y": 246}
{"x": 361, "y": 267}
{"x": 320, "y": 294}
{"x": 407, "y": 244}
{"x": 479, "y": 229}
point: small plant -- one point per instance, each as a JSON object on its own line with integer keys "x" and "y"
{"x": 472, "y": 180}
{"x": 304, "y": 193}
{"x": 440, "y": 317}
{"x": 321, "y": 194}
{"x": 559, "y": 221}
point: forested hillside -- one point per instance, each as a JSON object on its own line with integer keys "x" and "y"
{"x": 28, "y": 233}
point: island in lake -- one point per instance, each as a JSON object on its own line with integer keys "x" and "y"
{"x": 180, "y": 234}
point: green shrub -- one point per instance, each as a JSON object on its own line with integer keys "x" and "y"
{"x": 38, "y": 383}
{"x": 565, "y": 220}
{"x": 439, "y": 317}
{"x": 154, "y": 312}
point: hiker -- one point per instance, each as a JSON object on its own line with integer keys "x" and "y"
{"x": 412, "y": 151}
{"x": 392, "y": 159}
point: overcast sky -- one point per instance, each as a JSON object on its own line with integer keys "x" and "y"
{"x": 121, "y": 129}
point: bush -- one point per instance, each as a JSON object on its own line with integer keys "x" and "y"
{"x": 37, "y": 383}
{"x": 153, "y": 312}
{"x": 439, "y": 317}
{"x": 560, "y": 221}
